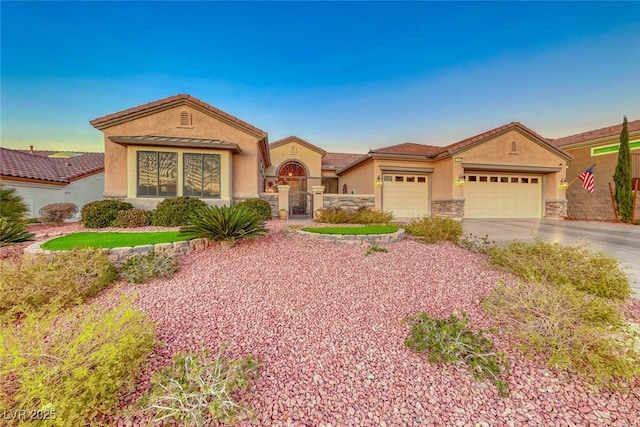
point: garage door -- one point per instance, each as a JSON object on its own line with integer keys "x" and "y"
{"x": 489, "y": 195}
{"x": 405, "y": 195}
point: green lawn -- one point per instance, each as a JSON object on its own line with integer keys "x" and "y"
{"x": 110, "y": 240}
{"x": 367, "y": 229}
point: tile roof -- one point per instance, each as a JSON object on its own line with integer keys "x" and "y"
{"x": 632, "y": 126}
{"x": 180, "y": 99}
{"x": 173, "y": 141}
{"x": 409, "y": 148}
{"x": 338, "y": 160}
{"x": 457, "y": 146}
{"x": 299, "y": 141}
{"x": 41, "y": 166}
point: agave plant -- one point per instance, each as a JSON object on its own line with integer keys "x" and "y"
{"x": 13, "y": 232}
{"x": 224, "y": 224}
{"x": 12, "y": 207}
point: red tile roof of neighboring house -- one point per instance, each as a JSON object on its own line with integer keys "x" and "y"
{"x": 299, "y": 141}
{"x": 42, "y": 167}
{"x": 106, "y": 121}
{"x": 338, "y": 160}
{"x": 591, "y": 135}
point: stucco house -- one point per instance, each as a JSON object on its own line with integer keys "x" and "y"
{"x": 181, "y": 146}
{"x": 597, "y": 147}
{"x": 45, "y": 177}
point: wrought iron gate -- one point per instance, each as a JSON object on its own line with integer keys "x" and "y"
{"x": 300, "y": 203}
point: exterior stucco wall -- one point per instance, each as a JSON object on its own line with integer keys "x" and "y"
{"x": 360, "y": 180}
{"x": 79, "y": 192}
{"x": 167, "y": 123}
{"x": 312, "y": 161}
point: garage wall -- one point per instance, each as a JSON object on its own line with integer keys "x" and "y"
{"x": 360, "y": 179}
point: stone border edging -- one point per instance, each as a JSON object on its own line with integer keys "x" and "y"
{"x": 355, "y": 239}
{"x": 122, "y": 254}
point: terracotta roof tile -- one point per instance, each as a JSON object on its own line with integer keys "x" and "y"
{"x": 102, "y": 122}
{"x": 410, "y": 148}
{"x": 40, "y": 166}
{"x": 338, "y": 160}
{"x": 613, "y": 130}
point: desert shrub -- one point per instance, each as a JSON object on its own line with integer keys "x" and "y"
{"x": 142, "y": 268}
{"x": 261, "y": 207}
{"x": 196, "y": 386}
{"x": 61, "y": 279}
{"x": 475, "y": 243}
{"x": 12, "y": 206}
{"x": 176, "y": 211}
{"x": 132, "y": 218}
{"x": 224, "y": 224}
{"x": 102, "y": 213}
{"x": 575, "y": 331}
{"x": 375, "y": 248}
{"x": 451, "y": 341}
{"x": 353, "y": 216}
{"x": 57, "y": 212}
{"x": 435, "y": 229}
{"x": 76, "y": 363}
{"x": 589, "y": 271}
{"x": 13, "y": 232}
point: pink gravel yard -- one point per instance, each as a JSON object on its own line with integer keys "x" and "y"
{"x": 328, "y": 323}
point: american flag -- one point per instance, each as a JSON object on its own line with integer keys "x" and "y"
{"x": 587, "y": 179}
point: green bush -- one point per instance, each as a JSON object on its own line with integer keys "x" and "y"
{"x": 260, "y": 206}
{"x": 142, "y": 268}
{"x": 451, "y": 341}
{"x": 40, "y": 281}
{"x": 196, "y": 386}
{"x": 57, "y": 212}
{"x": 132, "y": 218}
{"x": 176, "y": 211}
{"x": 578, "y": 266}
{"x": 225, "y": 224}
{"x": 575, "y": 331}
{"x": 353, "y": 216}
{"x": 12, "y": 206}
{"x": 76, "y": 364}
{"x": 435, "y": 229}
{"x": 13, "y": 232}
{"x": 102, "y": 213}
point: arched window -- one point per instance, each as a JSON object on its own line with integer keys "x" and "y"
{"x": 185, "y": 118}
{"x": 292, "y": 169}
{"x": 294, "y": 175}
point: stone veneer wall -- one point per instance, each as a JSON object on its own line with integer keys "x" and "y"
{"x": 447, "y": 208}
{"x": 555, "y": 209}
{"x": 349, "y": 201}
{"x": 272, "y": 198}
{"x": 355, "y": 239}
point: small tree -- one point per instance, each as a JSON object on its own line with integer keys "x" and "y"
{"x": 622, "y": 177}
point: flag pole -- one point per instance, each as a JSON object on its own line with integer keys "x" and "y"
{"x": 576, "y": 178}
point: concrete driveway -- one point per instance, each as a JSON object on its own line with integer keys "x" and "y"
{"x": 621, "y": 241}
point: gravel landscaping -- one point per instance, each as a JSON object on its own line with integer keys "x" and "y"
{"x": 328, "y": 323}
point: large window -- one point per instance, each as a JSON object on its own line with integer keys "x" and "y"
{"x": 157, "y": 174}
{"x": 330, "y": 185}
{"x": 201, "y": 175}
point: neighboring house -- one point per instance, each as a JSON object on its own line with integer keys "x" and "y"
{"x": 181, "y": 146}
{"x": 597, "y": 147}
{"x": 45, "y": 177}
{"x": 507, "y": 172}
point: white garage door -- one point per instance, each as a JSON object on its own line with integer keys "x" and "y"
{"x": 405, "y": 195}
{"x": 492, "y": 195}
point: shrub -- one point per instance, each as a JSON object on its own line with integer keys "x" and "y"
{"x": 353, "y": 216}
{"x": 195, "y": 386}
{"x": 64, "y": 279}
{"x": 451, "y": 341}
{"x": 375, "y": 248}
{"x": 475, "y": 243}
{"x": 102, "y": 213}
{"x": 57, "y": 212}
{"x": 575, "y": 331}
{"x": 225, "y": 224}
{"x": 77, "y": 364}
{"x": 435, "y": 229}
{"x": 176, "y": 211}
{"x": 578, "y": 266}
{"x": 142, "y": 268}
{"x": 132, "y": 218}
{"x": 12, "y": 206}
{"x": 260, "y": 206}
{"x": 13, "y": 232}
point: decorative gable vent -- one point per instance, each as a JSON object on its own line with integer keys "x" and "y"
{"x": 513, "y": 147}
{"x": 185, "y": 118}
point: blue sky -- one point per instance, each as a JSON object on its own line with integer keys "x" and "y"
{"x": 347, "y": 76}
